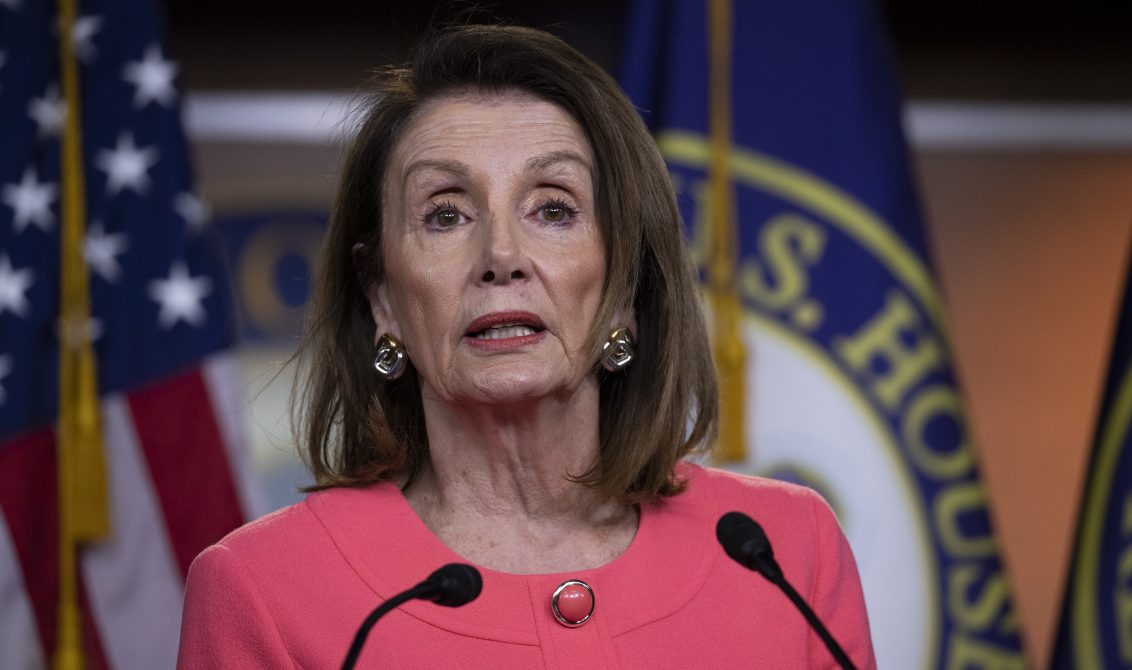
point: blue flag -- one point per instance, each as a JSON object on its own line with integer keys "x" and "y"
{"x": 849, "y": 386}
{"x": 1096, "y": 615}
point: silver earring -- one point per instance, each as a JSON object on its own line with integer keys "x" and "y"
{"x": 618, "y": 351}
{"x": 390, "y": 359}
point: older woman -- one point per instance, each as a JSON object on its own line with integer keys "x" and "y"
{"x": 505, "y": 364}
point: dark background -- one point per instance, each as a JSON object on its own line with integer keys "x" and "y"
{"x": 1017, "y": 51}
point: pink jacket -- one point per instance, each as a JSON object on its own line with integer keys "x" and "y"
{"x": 289, "y": 591}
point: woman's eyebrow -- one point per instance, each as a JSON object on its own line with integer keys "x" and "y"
{"x": 455, "y": 168}
{"x": 546, "y": 160}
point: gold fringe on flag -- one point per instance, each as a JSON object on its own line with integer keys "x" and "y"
{"x": 83, "y": 513}
{"x": 723, "y": 251}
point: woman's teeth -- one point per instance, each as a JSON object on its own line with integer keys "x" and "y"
{"x": 504, "y": 332}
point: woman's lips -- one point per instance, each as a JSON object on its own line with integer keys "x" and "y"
{"x": 505, "y": 330}
{"x": 505, "y": 318}
{"x": 501, "y": 343}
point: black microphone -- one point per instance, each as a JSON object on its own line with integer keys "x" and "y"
{"x": 745, "y": 541}
{"x": 452, "y": 585}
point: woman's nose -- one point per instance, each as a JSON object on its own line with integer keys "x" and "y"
{"x": 505, "y": 259}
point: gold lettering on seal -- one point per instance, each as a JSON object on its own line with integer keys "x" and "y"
{"x": 979, "y": 611}
{"x": 788, "y": 245}
{"x": 950, "y": 505}
{"x": 965, "y": 653}
{"x": 886, "y": 337}
{"x": 936, "y": 402}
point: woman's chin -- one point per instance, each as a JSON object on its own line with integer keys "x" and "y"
{"x": 515, "y": 384}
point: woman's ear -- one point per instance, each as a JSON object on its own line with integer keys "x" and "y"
{"x": 378, "y": 296}
{"x": 376, "y": 293}
{"x": 384, "y": 320}
{"x": 625, "y": 318}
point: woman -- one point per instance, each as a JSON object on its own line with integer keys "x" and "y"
{"x": 503, "y": 223}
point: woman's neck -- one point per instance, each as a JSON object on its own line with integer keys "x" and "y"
{"x": 499, "y": 488}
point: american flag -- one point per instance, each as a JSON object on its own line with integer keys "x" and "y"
{"x": 161, "y": 325}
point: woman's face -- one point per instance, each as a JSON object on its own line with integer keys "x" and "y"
{"x": 494, "y": 262}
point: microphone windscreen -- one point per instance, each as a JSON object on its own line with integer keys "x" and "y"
{"x": 745, "y": 541}
{"x": 455, "y": 584}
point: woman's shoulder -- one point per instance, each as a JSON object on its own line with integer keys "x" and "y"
{"x": 727, "y": 486}
{"x": 249, "y": 595}
{"x": 269, "y": 530}
{"x": 773, "y": 503}
{"x": 802, "y": 526}
{"x": 302, "y": 526}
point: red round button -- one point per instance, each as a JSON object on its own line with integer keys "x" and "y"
{"x": 572, "y": 603}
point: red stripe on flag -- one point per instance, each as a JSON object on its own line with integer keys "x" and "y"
{"x": 30, "y": 503}
{"x": 189, "y": 465}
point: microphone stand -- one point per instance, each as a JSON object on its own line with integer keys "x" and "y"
{"x": 381, "y": 610}
{"x": 839, "y": 654}
{"x": 453, "y": 585}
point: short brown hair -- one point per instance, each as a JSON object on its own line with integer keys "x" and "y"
{"x": 356, "y": 429}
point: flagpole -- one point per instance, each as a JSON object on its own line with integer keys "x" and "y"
{"x": 722, "y": 286}
{"x": 83, "y": 514}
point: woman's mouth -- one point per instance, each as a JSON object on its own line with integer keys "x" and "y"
{"x": 506, "y": 329}
{"x": 505, "y": 332}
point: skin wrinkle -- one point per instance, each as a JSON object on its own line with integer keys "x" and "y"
{"x": 505, "y": 428}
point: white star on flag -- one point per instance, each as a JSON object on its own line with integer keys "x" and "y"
{"x": 13, "y": 285}
{"x": 5, "y": 368}
{"x": 82, "y": 34}
{"x": 31, "y": 201}
{"x": 126, "y": 166}
{"x": 180, "y": 297}
{"x": 193, "y": 210}
{"x": 77, "y": 332}
{"x": 152, "y": 78}
{"x": 101, "y": 250}
{"x": 48, "y": 112}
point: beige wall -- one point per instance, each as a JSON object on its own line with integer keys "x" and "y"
{"x": 1030, "y": 248}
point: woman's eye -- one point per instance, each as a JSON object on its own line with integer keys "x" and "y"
{"x": 444, "y": 216}
{"x": 447, "y": 217}
{"x": 556, "y": 212}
